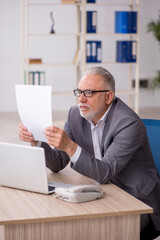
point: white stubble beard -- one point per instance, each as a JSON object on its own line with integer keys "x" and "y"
{"x": 90, "y": 114}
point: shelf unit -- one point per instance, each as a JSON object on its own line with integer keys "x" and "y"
{"x": 130, "y": 91}
{"x": 80, "y": 44}
{"x": 26, "y": 5}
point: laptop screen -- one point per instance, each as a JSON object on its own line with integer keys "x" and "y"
{"x": 23, "y": 167}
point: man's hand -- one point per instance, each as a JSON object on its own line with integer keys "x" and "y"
{"x": 59, "y": 139}
{"x": 26, "y": 136}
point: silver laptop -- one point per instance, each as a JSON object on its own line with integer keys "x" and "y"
{"x": 23, "y": 167}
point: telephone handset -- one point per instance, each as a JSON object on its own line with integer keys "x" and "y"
{"x": 80, "y": 193}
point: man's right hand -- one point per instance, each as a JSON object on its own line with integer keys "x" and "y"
{"x": 26, "y": 136}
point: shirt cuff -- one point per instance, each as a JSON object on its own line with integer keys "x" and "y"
{"x": 76, "y": 155}
{"x": 39, "y": 144}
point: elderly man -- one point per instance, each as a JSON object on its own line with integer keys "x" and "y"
{"x": 105, "y": 140}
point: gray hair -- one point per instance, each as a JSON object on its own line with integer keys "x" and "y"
{"x": 106, "y": 76}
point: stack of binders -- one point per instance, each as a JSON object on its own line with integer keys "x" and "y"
{"x": 91, "y": 21}
{"x": 91, "y": 1}
{"x": 35, "y": 78}
{"x": 87, "y": 1}
{"x": 126, "y": 51}
{"x": 125, "y": 22}
{"x": 93, "y": 51}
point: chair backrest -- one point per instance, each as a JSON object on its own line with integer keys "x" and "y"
{"x": 153, "y": 132}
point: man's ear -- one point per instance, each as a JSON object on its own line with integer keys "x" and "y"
{"x": 109, "y": 97}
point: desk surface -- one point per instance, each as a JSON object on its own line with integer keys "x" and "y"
{"x": 18, "y": 206}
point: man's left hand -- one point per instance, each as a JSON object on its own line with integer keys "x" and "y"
{"x": 59, "y": 139}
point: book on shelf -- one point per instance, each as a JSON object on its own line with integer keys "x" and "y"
{"x": 91, "y": 21}
{"x": 68, "y": 1}
{"x": 93, "y": 51}
{"x": 35, "y": 61}
{"x": 91, "y": 1}
{"x": 126, "y": 51}
{"x": 99, "y": 51}
{"x": 87, "y": 1}
{"x": 30, "y": 78}
{"x": 42, "y": 78}
{"x": 125, "y": 22}
{"x": 35, "y": 78}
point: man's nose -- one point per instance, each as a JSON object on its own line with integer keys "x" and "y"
{"x": 82, "y": 98}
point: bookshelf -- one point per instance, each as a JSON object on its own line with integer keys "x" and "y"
{"x": 131, "y": 94}
{"x": 77, "y": 63}
{"x": 50, "y": 61}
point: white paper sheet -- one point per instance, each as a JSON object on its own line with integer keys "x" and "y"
{"x": 34, "y": 107}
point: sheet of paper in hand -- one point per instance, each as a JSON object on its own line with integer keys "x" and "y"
{"x": 34, "y": 108}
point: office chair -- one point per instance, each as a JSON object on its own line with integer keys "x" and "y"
{"x": 153, "y": 132}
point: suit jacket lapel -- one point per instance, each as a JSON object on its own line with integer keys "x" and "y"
{"x": 107, "y": 124}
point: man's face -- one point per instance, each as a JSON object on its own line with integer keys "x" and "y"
{"x": 93, "y": 108}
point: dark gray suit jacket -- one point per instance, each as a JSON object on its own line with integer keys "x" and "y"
{"x": 127, "y": 159}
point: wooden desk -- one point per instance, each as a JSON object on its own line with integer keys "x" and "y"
{"x": 32, "y": 216}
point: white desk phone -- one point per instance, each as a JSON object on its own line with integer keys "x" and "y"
{"x": 80, "y": 193}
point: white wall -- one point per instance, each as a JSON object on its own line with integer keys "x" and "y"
{"x": 149, "y": 53}
{"x": 64, "y": 79}
{"x": 149, "y": 48}
{"x": 10, "y": 52}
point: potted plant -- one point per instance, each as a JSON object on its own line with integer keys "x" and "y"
{"x": 154, "y": 27}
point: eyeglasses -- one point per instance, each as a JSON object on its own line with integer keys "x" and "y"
{"x": 87, "y": 92}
